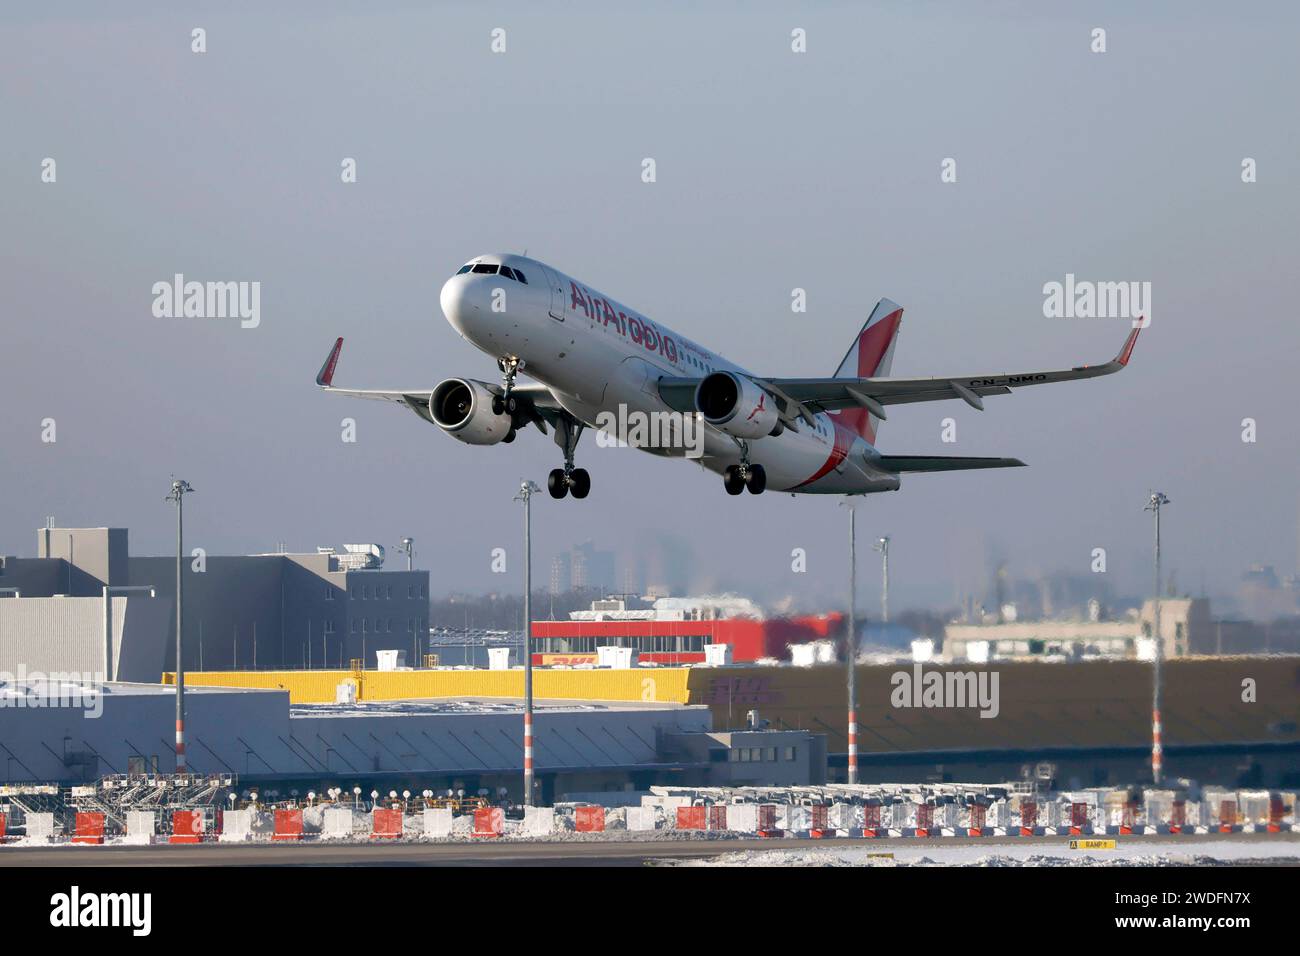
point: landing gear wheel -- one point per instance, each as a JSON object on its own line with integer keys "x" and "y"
{"x": 512, "y": 404}
{"x": 579, "y": 482}
{"x": 510, "y": 436}
{"x": 732, "y": 480}
{"x": 556, "y": 483}
{"x": 498, "y": 405}
{"x": 757, "y": 480}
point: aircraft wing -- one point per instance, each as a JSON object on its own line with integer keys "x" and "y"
{"x": 417, "y": 399}
{"x": 799, "y": 395}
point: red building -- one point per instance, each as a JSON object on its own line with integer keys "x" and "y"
{"x": 679, "y": 642}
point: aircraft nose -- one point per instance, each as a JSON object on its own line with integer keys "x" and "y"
{"x": 458, "y": 302}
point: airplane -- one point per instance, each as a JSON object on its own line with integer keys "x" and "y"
{"x": 589, "y": 355}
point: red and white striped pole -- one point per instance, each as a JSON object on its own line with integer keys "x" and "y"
{"x": 851, "y": 644}
{"x": 1157, "y": 499}
{"x": 853, "y": 747}
{"x": 528, "y": 753}
{"x": 526, "y": 489}
{"x": 1157, "y": 751}
{"x": 179, "y": 490}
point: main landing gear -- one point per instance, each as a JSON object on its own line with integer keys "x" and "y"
{"x": 736, "y": 478}
{"x": 561, "y": 481}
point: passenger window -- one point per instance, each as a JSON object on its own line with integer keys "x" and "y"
{"x": 463, "y": 269}
{"x": 520, "y": 276}
{"x": 484, "y": 268}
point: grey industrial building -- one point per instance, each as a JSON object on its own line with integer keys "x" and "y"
{"x": 68, "y": 611}
{"x": 67, "y": 733}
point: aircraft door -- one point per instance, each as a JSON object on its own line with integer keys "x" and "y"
{"x": 557, "y": 293}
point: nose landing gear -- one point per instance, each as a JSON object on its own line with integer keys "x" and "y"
{"x": 506, "y": 402}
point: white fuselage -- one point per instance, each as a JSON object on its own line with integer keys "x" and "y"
{"x": 596, "y": 355}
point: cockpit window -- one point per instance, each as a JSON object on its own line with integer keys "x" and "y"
{"x": 520, "y": 276}
{"x": 465, "y": 268}
{"x": 486, "y": 268}
{"x": 507, "y": 272}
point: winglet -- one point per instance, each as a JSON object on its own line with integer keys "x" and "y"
{"x": 1127, "y": 350}
{"x": 325, "y": 377}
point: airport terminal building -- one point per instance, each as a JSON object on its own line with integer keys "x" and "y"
{"x": 85, "y": 605}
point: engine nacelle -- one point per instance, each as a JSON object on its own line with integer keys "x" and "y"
{"x": 462, "y": 408}
{"x": 736, "y": 405}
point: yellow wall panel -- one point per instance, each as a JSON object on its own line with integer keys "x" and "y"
{"x": 662, "y": 684}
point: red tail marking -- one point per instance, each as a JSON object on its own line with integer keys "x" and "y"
{"x": 873, "y": 343}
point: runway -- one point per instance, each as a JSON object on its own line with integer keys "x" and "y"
{"x": 602, "y": 852}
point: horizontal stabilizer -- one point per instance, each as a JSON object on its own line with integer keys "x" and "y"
{"x": 919, "y": 463}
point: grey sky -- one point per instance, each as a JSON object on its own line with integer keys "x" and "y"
{"x": 775, "y": 170}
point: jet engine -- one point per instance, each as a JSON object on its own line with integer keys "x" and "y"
{"x": 736, "y": 406}
{"x": 462, "y": 408}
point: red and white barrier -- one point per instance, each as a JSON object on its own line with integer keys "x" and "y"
{"x": 718, "y": 816}
{"x": 640, "y": 818}
{"x": 336, "y": 823}
{"x": 819, "y": 822}
{"x": 692, "y": 818}
{"x": 236, "y": 826}
{"x": 188, "y": 826}
{"x": 140, "y": 827}
{"x": 437, "y": 822}
{"x": 489, "y": 822}
{"x": 1027, "y": 824}
{"x": 539, "y": 821}
{"x": 1228, "y": 816}
{"x": 923, "y": 821}
{"x": 387, "y": 824}
{"x": 743, "y": 817}
{"x": 40, "y": 827}
{"x": 288, "y": 825}
{"x": 798, "y": 820}
{"x": 89, "y": 828}
{"x": 1276, "y": 813}
{"x": 589, "y": 819}
{"x": 975, "y": 826}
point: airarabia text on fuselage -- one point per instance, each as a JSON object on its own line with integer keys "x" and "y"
{"x": 638, "y": 329}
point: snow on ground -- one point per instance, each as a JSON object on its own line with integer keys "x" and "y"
{"x": 1189, "y": 853}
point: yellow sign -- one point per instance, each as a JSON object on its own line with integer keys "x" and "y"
{"x": 1092, "y": 844}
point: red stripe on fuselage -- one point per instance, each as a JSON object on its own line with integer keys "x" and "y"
{"x": 843, "y": 442}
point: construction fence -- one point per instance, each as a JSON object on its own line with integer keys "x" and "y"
{"x": 865, "y": 811}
